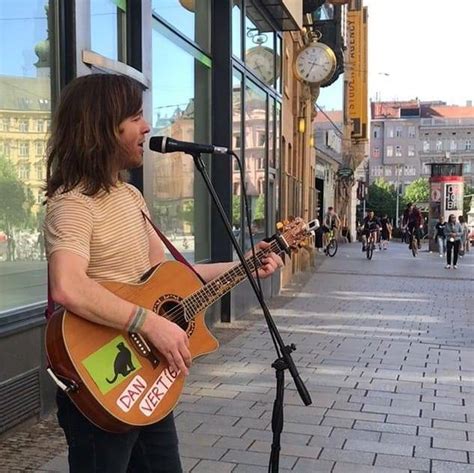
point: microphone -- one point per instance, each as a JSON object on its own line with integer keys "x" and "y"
{"x": 164, "y": 144}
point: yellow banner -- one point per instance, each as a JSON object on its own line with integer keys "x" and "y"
{"x": 357, "y": 93}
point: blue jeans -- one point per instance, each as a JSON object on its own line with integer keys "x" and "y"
{"x": 441, "y": 245}
{"x": 150, "y": 449}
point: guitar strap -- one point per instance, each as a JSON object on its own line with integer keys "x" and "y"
{"x": 171, "y": 248}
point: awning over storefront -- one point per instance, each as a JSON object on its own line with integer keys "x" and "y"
{"x": 287, "y": 14}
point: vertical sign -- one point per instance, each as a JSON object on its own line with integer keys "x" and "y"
{"x": 452, "y": 192}
{"x": 357, "y": 96}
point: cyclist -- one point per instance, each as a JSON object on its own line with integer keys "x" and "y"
{"x": 371, "y": 225}
{"x": 331, "y": 222}
{"x": 413, "y": 221}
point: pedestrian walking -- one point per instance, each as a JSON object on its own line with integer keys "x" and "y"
{"x": 440, "y": 237}
{"x": 464, "y": 237}
{"x": 453, "y": 232}
{"x": 386, "y": 231}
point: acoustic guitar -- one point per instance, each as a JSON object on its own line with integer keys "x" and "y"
{"x": 118, "y": 380}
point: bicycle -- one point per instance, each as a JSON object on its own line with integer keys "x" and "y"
{"x": 413, "y": 243}
{"x": 331, "y": 247}
{"x": 370, "y": 245}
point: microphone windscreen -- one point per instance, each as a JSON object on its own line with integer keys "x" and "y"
{"x": 156, "y": 143}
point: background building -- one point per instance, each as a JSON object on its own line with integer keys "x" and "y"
{"x": 407, "y": 135}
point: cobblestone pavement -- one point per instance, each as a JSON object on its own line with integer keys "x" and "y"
{"x": 386, "y": 349}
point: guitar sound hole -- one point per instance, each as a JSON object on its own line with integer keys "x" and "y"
{"x": 174, "y": 312}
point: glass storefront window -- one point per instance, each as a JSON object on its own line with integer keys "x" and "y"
{"x": 256, "y": 148}
{"x": 189, "y": 17}
{"x": 25, "y": 106}
{"x": 181, "y": 109}
{"x": 259, "y": 45}
{"x": 108, "y": 28}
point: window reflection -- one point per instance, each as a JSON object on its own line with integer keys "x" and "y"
{"x": 259, "y": 46}
{"x": 255, "y": 126}
{"x": 25, "y": 104}
{"x": 181, "y": 101}
{"x": 237, "y": 28}
{"x": 237, "y": 148}
{"x": 189, "y": 17}
{"x": 108, "y": 28}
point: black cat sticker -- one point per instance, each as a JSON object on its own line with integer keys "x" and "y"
{"x": 123, "y": 364}
{"x": 112, "y": 363}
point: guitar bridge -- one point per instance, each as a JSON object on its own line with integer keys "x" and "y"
{"x": 144, "y": 349}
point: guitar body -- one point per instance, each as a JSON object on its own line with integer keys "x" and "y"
{"x": 121, "y": 382}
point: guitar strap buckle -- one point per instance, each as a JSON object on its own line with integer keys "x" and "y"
{"x": 72, "y": 386}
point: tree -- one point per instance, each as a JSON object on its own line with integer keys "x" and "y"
{"x": 16, "y": 202}
{"x": 260, "y": 208}
{"x": 418, "y": 191}
{"x": 382, "y": 198}
{"x": 236, "y": 210}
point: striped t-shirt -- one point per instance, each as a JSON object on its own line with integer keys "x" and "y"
{"x": 107, "y": 229}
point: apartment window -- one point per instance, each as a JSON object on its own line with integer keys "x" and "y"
{"x": 389, "y": 151}
{"x": 453, "y": 145}
{"x": 5, "y": 124}
{"x": 24, "y": 149}
{"x": 468, "y": 145}
{"x": 23, "y": 126}
{"x": 39, "y": 168}
{"x": 426, "y": 146}
{"x": 40, "y": 126}
{"x": 237, "y": 141}
{"x": 376, "y": 132}
{"x": 390, "y": 132}
{"x": 439, "y": 145}
{"x": 24, "y": 172}
{"x": 411, "y": 132}
{"x": 262, "y": 138}
{"x": 411, "y": 150}
{"x": 398, "y": 151}
{"x": 398, "y": 132}
{"x": 39, "y": 148}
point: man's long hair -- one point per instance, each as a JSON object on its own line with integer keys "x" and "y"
{"x": 84, "y": 146}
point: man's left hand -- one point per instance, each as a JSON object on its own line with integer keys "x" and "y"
{"x": 270, "y": 263}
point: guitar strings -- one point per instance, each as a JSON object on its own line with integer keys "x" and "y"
{"x": 177, "y": 313}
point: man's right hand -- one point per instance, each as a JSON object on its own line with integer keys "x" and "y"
{"x": 170, "y": 340}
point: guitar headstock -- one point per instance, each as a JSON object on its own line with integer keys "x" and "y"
{"x": 292, "y": 233}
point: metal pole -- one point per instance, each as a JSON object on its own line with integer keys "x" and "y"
{"x": 398, "y": 196}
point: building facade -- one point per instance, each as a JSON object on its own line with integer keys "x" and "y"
{"x": 406, "y": 136}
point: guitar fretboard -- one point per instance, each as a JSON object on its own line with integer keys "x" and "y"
{"x": 215, "y": 289}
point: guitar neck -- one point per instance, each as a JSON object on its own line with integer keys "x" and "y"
{"x": 215, "y": 289}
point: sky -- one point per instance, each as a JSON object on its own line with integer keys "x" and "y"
{"x": 417, "y": 48}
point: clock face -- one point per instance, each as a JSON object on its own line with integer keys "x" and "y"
{"x": 316, "y": 63}
{"x": 260, "y": 61}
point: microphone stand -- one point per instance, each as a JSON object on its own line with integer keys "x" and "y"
{"x": 284, "y": 360}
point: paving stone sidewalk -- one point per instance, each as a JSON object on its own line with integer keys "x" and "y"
{"x": 386, "y": 349}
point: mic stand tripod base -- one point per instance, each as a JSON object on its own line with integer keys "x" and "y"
{"x": 280, "y": 365}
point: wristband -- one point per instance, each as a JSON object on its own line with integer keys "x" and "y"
{"x": 137, "y": 321}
